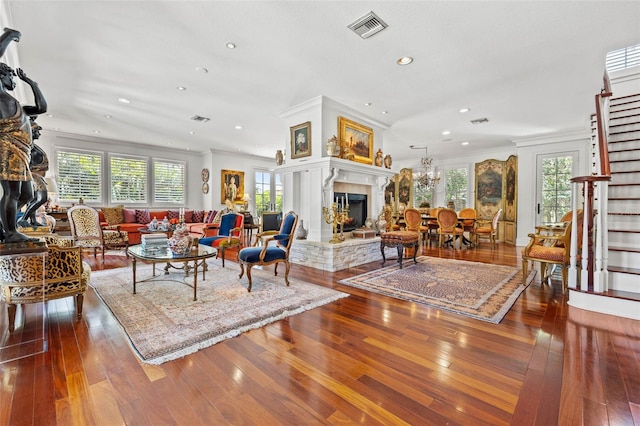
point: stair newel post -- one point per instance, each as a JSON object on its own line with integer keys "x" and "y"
{"x": 573, "y": 252}
{"x": 601, "y": 274}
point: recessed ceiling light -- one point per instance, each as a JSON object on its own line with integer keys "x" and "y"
{"x": 202, "y": 70}
{"x": 231, "y": 45}
{"x": 124, "y": 101}
{"x": 181, "y": 88}
{"x": 405, "y": 60}
{"x": 446, "y": 132}
{"x": 463, "y": 110}
{"x": 192, "y": 132}
{"x": 238, "y": 127}
{"x": 96, "y": 131}
{"x": 385, "y": 112}
{"x": 50, "y": 115}
{"x": 107, "y": 116}
{"x": 465, "y": 143}
{"x": 367, "y": 104}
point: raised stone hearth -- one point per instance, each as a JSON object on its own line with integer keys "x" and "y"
{"x": 336, "y": 257}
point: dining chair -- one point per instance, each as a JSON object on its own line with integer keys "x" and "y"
{"x": 487, "y": 229}
{"x": 448, "y": 226}
{"x": 468, "y": 222}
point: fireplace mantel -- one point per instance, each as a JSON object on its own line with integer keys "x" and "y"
{"x": 309, "y": 185}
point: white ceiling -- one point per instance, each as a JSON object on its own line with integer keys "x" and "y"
{"x": 530, "y": 67}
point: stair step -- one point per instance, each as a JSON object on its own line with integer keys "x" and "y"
{"x": 624, "y": 249}
{"x": 624, "y": 270}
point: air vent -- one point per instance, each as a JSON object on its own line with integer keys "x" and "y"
{"x": 200, "y": 118}
{"x": 367, "y": 25}
{"x": 480, "y": 121}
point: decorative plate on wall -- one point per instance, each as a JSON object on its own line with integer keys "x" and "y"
{"x": 205, "y": 175}
{"x": 205, "y": 188}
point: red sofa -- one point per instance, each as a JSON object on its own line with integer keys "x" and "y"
{"x": 132, "y": 226}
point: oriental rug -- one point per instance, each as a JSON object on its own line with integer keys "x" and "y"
{"x": 163, "y": 322}
{"x": 478, "y": 290}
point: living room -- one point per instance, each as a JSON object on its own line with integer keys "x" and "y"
{"x": 366, "y": 358}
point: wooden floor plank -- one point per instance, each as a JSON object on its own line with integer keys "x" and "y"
{"x": 367, "y": 359}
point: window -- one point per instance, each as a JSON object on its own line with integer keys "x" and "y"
{"x": 168, "y": 182}
{"x": 79, "y": 176}
{"x": 623, "y": 58}
{"x": 456, "y": 187}
{"x": 421, "y": 194}
{"x": 556, "y": 188}
{"x": 268, "y": 192}
{"x": 128, "y": 180}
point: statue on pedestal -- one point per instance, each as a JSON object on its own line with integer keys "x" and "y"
{"x": 15, "y": 144}
{"x": 39, "y": 165}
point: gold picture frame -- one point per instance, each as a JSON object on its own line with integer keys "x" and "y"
{"x": 301, "y": 140}
{"x": 231, "y": 186}
{"x": 511, "y": 189}
{"x": 356, "y": 141}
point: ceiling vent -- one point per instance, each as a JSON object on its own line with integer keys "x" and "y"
{"x": 480, "y": 120}
{"x": 367, "y": 25}
{"x": 200, "y": 118}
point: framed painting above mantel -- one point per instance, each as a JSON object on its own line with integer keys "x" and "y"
{"x": 356, "y": 141}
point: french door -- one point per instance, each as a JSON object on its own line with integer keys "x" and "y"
{"x": 554, "y": 189}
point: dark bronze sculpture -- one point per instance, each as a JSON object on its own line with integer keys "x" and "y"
{"x": 39, "y": 166}
{"x": 15, "y": 144}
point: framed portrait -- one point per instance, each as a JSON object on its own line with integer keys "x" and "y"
{"x": 356, "y": 141}
{"x": 489, "y": 187}
{"x": 232, "y": 186}
{"x": 301, "y": 140}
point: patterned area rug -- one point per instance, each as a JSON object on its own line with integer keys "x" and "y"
{"x": 477, "y": 290}
{"x": 163, "y": 322}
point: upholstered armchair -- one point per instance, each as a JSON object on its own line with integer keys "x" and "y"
{"x": 87, "y": 232}
{"x": 65, "y": 275}
{"x": 274, "y": 250}
{"x": 487, "y": 229}
{"x": 548, "y": 249}
{"x": 230, "y": 234}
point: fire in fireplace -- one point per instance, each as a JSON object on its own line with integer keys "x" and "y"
{"x": 357, "y": 209}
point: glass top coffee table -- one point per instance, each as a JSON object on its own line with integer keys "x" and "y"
{"x": 191, "y": 260}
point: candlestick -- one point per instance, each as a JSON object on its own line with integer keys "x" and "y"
{"x": 336, "y": 217}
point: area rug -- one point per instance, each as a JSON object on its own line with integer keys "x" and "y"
{"x": 478, "y": 290}
{"x": 163, "y": 322}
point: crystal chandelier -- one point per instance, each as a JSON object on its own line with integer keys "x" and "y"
{"x": 426, "y": 179}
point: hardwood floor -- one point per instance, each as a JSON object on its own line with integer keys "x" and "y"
{"x": 366, "y": 359}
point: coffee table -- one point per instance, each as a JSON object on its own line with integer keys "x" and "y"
{"x": 165, "y": 255}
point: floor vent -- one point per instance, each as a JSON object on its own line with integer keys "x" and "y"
{"x": 367, "y": 25}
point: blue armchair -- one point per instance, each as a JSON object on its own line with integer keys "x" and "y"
{"x": 270, "y": 254}
{"x": 230, "y": 234}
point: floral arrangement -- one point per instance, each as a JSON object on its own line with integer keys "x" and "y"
{"x": 174, "y": 221}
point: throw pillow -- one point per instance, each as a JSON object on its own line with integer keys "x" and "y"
{"x": 210, "y": 216}
{"x": 217, "y": 217}
{"x": 113, "y": 215}
{"x": 143, "y": 216}
{"x": 173, "y": 214}
{"x": 129, "y": 215}
{"x": 188, "y": 216}
{"x": 198, "y": 216}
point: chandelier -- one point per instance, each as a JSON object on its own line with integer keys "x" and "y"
{"x": 426, "y": 179}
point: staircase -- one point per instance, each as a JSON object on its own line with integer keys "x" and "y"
{"x": 624, "y": 197}
{"x": 622, "y": 259}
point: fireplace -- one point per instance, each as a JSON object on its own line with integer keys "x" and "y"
{"x": 357, "y": 209}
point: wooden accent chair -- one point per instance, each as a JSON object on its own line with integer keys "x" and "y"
{"x": 432, "y": 223}
{"x": 448, "y": 226}
{"x": 487, "y": 229}
{"x": 230, "y": 234}
{"x": 65, "y": 275}
{"x": 87, "y": 233}
{"x": 270, "y": 254}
